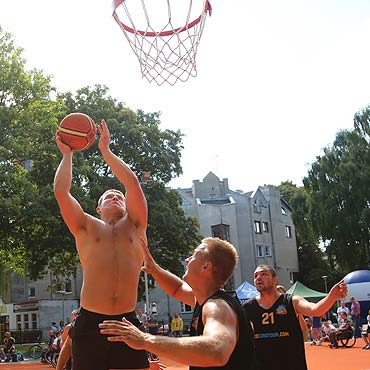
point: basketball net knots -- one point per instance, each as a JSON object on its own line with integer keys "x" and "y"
{"x": 168, "y": 55}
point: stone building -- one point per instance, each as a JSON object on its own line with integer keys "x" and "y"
{"x": 31, "y": 306}
{"x": 258, "y": 224}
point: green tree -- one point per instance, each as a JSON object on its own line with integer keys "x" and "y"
{"x": 339, "y": 186}
{"x": 311, "y": 258}
{"x": 27, "y": 123}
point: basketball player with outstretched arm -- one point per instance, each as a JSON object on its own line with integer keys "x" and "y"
{"x": 111, "y": 258}
{"x": 277, "y": 334}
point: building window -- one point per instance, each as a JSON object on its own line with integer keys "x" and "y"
{"x": 260, "y": 251}
{"x": 34, "y": 321}
{"x": 221, "y": 231}
{"x": 59, "y": 287}
{"x": 26, "y": 322}
{"x": 257, "y": 227}
{"x": 265, "y": 227}
{"x": 19, "y": 322}
{"x": 256, "y": 207}
{"x": 288, "y": 231}
{"x": 283, "y": 211}
{"x": 31, "y": 292}
{"x": 68, "y": 286}
{"x": 268, "y": 252}
{"x": 186, "y": 308}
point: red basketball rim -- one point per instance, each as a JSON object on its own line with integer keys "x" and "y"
{"x": 116, "y": 3}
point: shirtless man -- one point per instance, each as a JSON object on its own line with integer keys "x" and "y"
{"x": 111, "y": 257}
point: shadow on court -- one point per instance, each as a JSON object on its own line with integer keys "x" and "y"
{"x": 318, "y": 358}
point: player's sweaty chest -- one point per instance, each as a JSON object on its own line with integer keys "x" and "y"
{"x": 116, "y": 239}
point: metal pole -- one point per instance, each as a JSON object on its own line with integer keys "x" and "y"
{"x": 146, "y": 293}
{"x": 326, "y": 286}
{"x": 63, "y": 307}
{"x": 168, "y": 308}
{"x": 326, "y": 291}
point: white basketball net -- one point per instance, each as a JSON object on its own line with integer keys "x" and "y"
{"x": 163, "y": 36}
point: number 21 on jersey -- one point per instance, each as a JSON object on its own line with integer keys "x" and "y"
{"x": 268, "y": 318}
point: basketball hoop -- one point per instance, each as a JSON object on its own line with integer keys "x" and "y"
{"x": 164, "y": 39}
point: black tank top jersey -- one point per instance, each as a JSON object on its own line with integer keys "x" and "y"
{"x": 243, "y": 356}
{"x": 277, "y": 335}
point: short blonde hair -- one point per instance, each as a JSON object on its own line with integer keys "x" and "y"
{"x": 109, "y": 191}
{"x": 223, "y": 257}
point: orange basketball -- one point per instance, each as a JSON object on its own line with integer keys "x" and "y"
{"x": 78, "y": 131}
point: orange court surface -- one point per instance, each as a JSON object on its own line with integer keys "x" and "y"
{"x": 318, "y": 358}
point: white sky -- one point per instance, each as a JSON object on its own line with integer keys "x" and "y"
{"x": 276, "y": 78}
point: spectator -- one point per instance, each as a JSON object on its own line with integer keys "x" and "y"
{"x": 64, "y": 359}
{"x": 46, "y": 351}
{"x": 143, "y": 318}
{"x": 61, "y": 325}
{"x": 177, "y": 325}
{"x": 8, "y": 352}
{"x": 153, "y": 325}
{"x": 56, "y": 343}
{"x": 327, "y": 328}
{"x": 308, "y": 322}
{"x": 366, "y": 332}
{"x": 316, "y": 330}
{"x": 342, "y": 308}
{"x": 54, "y": 327}
{"x": 355, "y": 313}
{"x": 345, "y": 326}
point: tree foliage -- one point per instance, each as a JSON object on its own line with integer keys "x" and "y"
{"x": 27, "y": 122}
{"x": 32, "y": 233}
{"x": 339, "y": 187}
{"x": 311, "y": 258}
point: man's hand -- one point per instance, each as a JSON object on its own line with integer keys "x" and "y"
{"x": 124, "y": 331}
{"x": 149, "y": 263}
{"x": 64, "y": 148}
{"x": 104, "y": 136}
{"x": 156, "y": 365}
{"x": 339, "y": 290}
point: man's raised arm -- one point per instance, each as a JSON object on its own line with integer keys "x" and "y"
{"x": 302, "y": 306}
{"x": 135, "y": 199}
{"x": 72, "y": 212}
{"x": 169, "y": 282}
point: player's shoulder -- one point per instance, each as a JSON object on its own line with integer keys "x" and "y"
{"x": 249, "y": 303}
{"x": 218, "y": 310}
{"x": 91, "y": 223}
{"x": 217, "y": 305}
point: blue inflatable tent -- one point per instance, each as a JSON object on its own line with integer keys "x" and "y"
{"x": 246, "y": 291}
{"x": 358, "y": 283}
